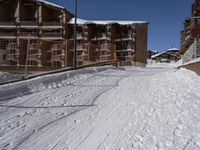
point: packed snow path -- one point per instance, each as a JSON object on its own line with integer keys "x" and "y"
{"x": 108, "y": 109}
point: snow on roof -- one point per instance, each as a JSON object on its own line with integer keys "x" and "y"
{"x": 156, "y": 55}
{"x": 172, "y": 49}
{"x": 192, "y": 61}
{"x": 51, "y": 4}
{"x": 104, "y": 22}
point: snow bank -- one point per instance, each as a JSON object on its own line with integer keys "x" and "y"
{"x": 162, "y": 65}
{"x": 132, "y": 108}
{"x": 46, "y": 82}
{"x": 197, "y": 60}
{"x": 5, "y": 76}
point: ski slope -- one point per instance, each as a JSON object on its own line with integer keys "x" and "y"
{"x": 103, "y": 108}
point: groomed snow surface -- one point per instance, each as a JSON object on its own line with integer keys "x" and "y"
{"x": 103, "y": 108}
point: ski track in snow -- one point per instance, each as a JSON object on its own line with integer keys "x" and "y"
{"x": 116, "y": 109}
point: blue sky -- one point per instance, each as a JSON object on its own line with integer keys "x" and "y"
{"x": 166, "y": 17}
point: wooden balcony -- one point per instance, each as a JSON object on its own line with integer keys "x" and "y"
{"x": 101, "y": 38}
{"x": 51, "y": 34}
{"x": 57, "y": 47}
{"x": 13, "y": 57}
{"x": 52, "y": 23}
{"x": 12, "y": 46}
{"x": 34, "y": 46}
{"x": 129, "y": 58}
{"x": 26, "y": 34}
{"x": 28, "y": 23}
{"x": 7, "y": 24}
{"x": 126, "y": 37}
{"x": 104, "y": 47}
{"x": 8, "y": 34}
{"x": 34, "y": 57}
{"x": 59, "y": 58}
{"x": 79, "y": 36}
{"x": 103, "y": 58}
{"x": 81, "y": 58}
{"x": 79, "y": 47}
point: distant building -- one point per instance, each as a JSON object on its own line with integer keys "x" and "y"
{"x": 46, "y": 30}
{"x": 168, "y": 56}
{"x": 151, "y": 53}
{"x": 190, "y": 35}
{"x": 104, "y": 40}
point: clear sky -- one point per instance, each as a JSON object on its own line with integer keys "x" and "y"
{"x": 166, "y": 17}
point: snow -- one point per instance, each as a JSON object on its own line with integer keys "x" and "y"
{"x": 103, "y": 108}
{"x": 51, "y": 4}
{"x": 163, "y": 65}
{"x": 172, "y": 49}
{"x": 196, "y": 60}
{"x": 156, "y": 55}
{"x": 5, "y": 76}
{"x": 104, "y": 22}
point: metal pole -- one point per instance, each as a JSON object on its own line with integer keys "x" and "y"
{"x": 27, "y": 54}
{"x": 75, "y": 25}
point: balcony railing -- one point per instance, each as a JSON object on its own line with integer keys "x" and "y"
{"x": 7, "y": 23}
{"x": 124, "y": 49}
{"x": 27, "y": 34}
{"x": 104, "y": 58}
{"x": 129, "y": 58}
{"x": 28, "y": 23}
{"x": 57, "y": 58}
{"x": 7, "y": 33}
{"x": 11, "y": 57}
{"x": 34, "y": 57}
{"x": 104, "y": 47}
{"x": 57, "y": 47}
{"x": 34, "y": 46}
{"x": 51, "y": 34}
{"x": 11, "y": 46}
{"x": 79, "y": 36}
{"x": 52, "y": 23}
{"x": 79, "y": 47}
{"x": 81, "y": 58}
{"x": 101, "y": 38}
{"x": 124, "y": 37}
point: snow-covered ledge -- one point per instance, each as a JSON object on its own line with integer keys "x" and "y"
{"x": 193, "y": 65}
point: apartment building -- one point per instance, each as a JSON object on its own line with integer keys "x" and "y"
{"x": 36, "y": 25}
{"x": 40, "y": 34}
{"x": 190, "y": 35}
{"x": 123, "y": 41}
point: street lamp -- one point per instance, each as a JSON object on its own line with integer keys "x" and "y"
{"x": 75, "y": 25}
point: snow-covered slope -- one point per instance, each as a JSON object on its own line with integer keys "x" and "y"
{"x": 115, "y": 109}
{"x": 5, "y": 76}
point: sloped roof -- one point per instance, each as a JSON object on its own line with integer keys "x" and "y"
{"x": 156, "y": 55}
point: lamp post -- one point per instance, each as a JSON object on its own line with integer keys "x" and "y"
{"x": 75, "y": 25}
